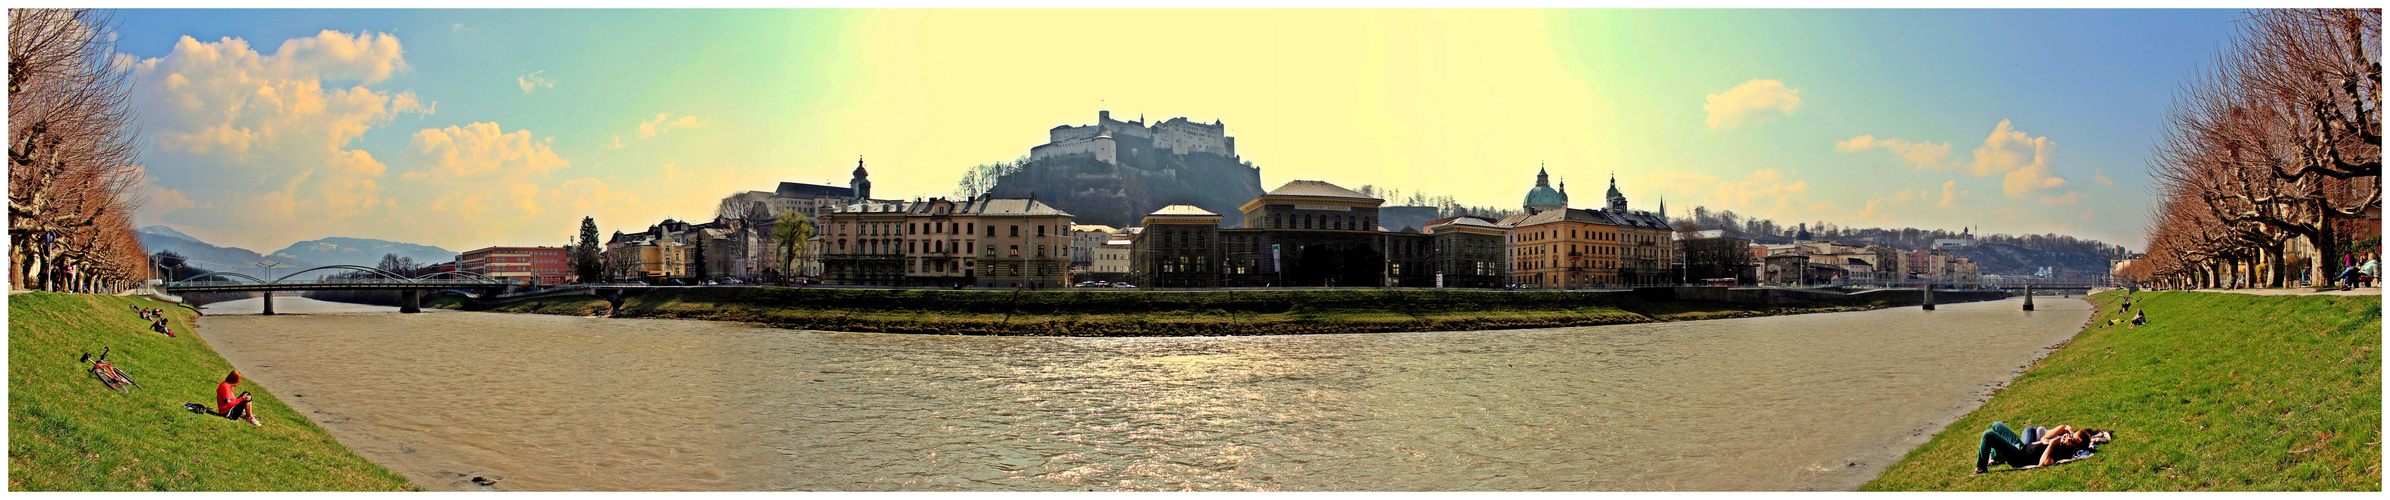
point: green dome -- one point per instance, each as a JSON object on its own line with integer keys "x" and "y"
{"x": 1545, "y": 195}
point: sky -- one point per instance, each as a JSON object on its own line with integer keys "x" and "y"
{"x": 472, "y": 128}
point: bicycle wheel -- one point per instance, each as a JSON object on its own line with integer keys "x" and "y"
{"x": 121, "y": 375}
{"x": 110, "y": 380}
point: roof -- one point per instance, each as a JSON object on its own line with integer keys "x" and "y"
{"x": 1318, "y": 189}
{"x": 1183, "y": 210}
{"x": 803, "y": 190}
{"x": 1463, "y": 221}
{"x": 1093, "y": 227}
{"x": 1019, "y": 207}
{"x": 1545, "y": 195}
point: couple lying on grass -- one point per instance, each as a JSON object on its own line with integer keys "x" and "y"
{"x": 2038, "y": 447}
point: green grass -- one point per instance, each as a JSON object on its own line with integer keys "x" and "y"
{"x": 1083, "y": 313}
{"x": 2219, "y": 392}
{"x": 68, "y": 432}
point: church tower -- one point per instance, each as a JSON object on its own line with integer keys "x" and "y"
{"x": 1618, "y": 202}
{"x": 862, "y": 183}
{"x": 1542, "y": 197}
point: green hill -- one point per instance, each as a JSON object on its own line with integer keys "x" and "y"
{"x": 2219, "y": 392}
{"x": 68, "y": 432}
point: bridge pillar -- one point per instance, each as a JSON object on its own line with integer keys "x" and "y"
{"x": 410, "y": 301}
{"x": 1929, "y": 297}
{"x": 269, "y": 303}
{"x": 2028, "y": 297}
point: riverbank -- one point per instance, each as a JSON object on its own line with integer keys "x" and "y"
{"x": 1198, "y": 313}
{"x": 68, "y": 432}
{"x": 2218, "y": 392}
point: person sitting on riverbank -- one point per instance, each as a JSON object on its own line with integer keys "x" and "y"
{"x": 2037, "y": 448}
{"x": 229, "y": 405}
{"x": 2141, "y": 318}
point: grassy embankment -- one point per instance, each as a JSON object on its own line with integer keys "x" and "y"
{"x": 68, "y": 432}
{"x": 2219, "y": 392}
{"x": 1082, "y": 313}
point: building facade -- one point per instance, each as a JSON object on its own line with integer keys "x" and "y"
{"x": 1179, "y": 248}
{"x": 1552, "y": 246}
{"x": 985, "y": 242}
{"x": 539, "y": 266}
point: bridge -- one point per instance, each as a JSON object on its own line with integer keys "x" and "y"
{"x": 410, "y": 290}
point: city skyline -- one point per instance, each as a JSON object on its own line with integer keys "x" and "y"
{"x": 465, "y": 129}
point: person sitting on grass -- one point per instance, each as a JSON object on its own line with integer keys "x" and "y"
{"x": 2141, "y": 318}
{"x": 229, "y": 405}
{"x": 2037, "y": 448}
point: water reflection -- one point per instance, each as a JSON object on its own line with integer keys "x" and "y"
{"x": 584, "y": 403}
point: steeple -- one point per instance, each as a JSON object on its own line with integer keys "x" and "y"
{"x": 1542, "y": 179}
{"x": 861, "y": 183}
{"x": 1663, "y": 207}
{"x": 1618, "y": 202}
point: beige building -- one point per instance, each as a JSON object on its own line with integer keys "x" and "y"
{"x": 999, "y": 242}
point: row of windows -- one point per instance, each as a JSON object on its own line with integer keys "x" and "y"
{"x": 1333, "y": 222}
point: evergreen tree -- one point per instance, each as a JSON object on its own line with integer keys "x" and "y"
{"x": 586, "y": 264}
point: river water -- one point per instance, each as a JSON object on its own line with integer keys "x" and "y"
{"x": 536, "y": 402}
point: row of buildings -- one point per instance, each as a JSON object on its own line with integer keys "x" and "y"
{"x": 1304, "y": 233}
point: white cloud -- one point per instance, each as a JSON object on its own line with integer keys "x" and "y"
{"x": 1951, "y": 193}
{"x": 2101, "y": 178}
{"x": 617, "y": 144}
{"x": 2021, "y": 160}
{"x": 664, "y": 122}
{"x": 2070, "y": 198}
{"x": 245, "y": 137}
{"x": 534, "y": 81}
{"x": 1752, "y": 102}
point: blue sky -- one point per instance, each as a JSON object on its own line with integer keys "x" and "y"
{"x": 471, "y": 128}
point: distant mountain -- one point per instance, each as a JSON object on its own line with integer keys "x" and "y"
{"x": 166, "y": 232}
{"x": 360, "y": 252}
{"x": 203, "y": 255}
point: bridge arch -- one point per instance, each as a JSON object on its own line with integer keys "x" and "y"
{"x": 252, "y": 279}
{"x": 385, "y": 274}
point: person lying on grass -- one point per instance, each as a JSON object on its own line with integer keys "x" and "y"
{"x": 227, "y": 404}
{"x": 2038, "y": 448}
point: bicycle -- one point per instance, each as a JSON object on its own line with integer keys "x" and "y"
{"x": 109, "y": 374}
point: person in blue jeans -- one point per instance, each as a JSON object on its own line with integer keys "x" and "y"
{"x": 2037, "y": 448}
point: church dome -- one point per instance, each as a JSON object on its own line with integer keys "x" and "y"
{"x": 1545, "y": 195}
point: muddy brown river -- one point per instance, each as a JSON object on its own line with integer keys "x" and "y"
{"x": 534, "y": 402}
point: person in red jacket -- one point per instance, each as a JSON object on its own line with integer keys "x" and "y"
{"x": 231, "y": 406}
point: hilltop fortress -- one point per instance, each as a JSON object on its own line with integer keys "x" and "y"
{"x": 1115, "y": 171}
{"x": 1107, "y": 138}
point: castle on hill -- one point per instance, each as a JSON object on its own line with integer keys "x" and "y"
{"x": 1108, "y": 139}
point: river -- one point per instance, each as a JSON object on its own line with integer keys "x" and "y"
{"x": 537, "y": 402}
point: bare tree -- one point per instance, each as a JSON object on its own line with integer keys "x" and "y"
{"x": 72, "y": 150}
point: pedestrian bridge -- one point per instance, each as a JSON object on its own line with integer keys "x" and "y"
{"x": 365, "y": 278}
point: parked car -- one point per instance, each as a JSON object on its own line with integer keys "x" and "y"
{"x": 1123, "y": 285}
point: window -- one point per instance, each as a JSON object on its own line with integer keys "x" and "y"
{"x": 1016, "y": 250}
{"x": 991, "y": 234}
{"x": 1041, "y": 231}
{"x": 1016, "y": 231}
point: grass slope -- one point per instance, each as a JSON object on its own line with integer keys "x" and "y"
{"x": 2219, "y": 392}
{"x": 68, "y": 432}
{"x": 1082, "y": 313}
